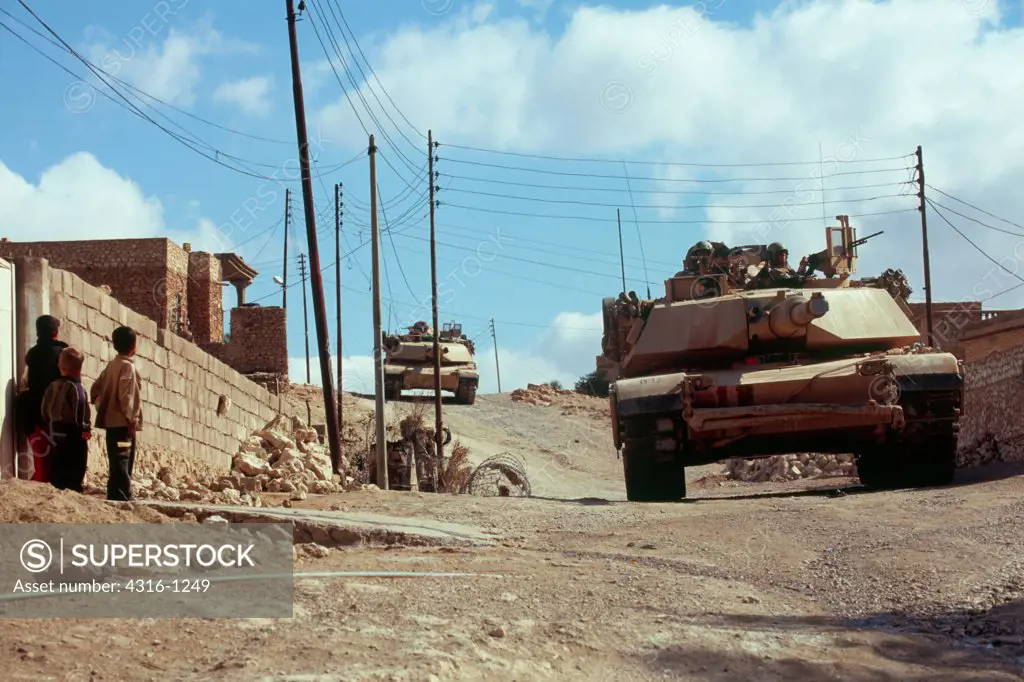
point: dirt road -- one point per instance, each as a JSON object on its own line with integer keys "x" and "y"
{"x": 744, "y": 582}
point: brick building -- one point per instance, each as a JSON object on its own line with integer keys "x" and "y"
{"x": 181, "y": 290}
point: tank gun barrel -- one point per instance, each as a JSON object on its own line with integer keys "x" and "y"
{"x": 792, "y": 313}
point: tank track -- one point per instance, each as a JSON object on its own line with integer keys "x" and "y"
{"x": 924, "y": 453}
{"x": 653, "y": 466}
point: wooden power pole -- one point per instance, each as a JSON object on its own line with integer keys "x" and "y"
{"x": 924, "y": 243}
{"x": 497, "y": 369}
{"x": 337, "y": 281}
{"x": 305, "y": 316}
{"x": 316, "y": 274}
{"x": 438, "y": 439}
{"x": 378, "y": 367}
{"x": 622, "y": 259}
{"x": 287, "y": 227}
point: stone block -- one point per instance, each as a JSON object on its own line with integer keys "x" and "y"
{"x": 91, "y": 297}
{"x": 67, "y": 281}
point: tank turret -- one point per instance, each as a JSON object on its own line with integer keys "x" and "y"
{"x": 715, "y": 369}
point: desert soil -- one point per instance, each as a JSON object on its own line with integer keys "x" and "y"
{"x": 806, "y": 580}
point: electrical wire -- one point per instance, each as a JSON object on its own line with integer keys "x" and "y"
{"x": 566, "y": 268}
{"x": 668, "y": 163}
{"x": 695, "y": 180}
{"x": 397, "y": 257}
{"x": 694, "y": 192}
{"x": 969, "y": 241}
{"x": 660, "y": 222}
{"x": 981, "y": 210}
{"x": 133, "y": 109}
{"x": 314, "y": 17}
{"x": 153, "y": 97}
{"x": 331, "y": 6}
{"x": 651, "y": 206}
{"x": 975, "y": 220}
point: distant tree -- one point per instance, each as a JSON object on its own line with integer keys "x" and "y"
{"x": 555, "y": 384}
{"x": 592, "y": 384}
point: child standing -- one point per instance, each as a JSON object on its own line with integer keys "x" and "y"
{"x": 117, "y": 395}
{"x": 66, "y": 407}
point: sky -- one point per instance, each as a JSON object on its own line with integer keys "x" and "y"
{"x": 742, "y": 121}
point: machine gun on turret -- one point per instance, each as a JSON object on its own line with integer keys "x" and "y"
{"x": 839, "y": 258}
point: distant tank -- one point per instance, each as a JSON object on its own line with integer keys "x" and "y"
{"x": 730, "y": 364}
{"x": 409, "y": 362}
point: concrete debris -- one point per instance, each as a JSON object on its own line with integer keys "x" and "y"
{"x": 570, "y": 402}
{"x": 984, "y": 450}
{"x": 285, "y": 456}
{"x": 791, "y": 467}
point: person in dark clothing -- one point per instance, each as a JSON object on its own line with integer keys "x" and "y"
{"x": 117, "y": 394}
{"x": 66, "y": 408}
{"x": 41, "y": 370}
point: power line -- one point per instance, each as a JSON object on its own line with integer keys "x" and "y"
{"x": 391, "y": 238}
{"x": 668, "y": 163}
{"x": 370, "y": 67}
{"x": 133, "y": 109}
{"x": 661, "y": 222}
{"x": 696, "y": 180}
{"x": 991, "y": 215}
{"x": 694, "y": 192}
{"x": 975, "y": 220}
{"x": 969, "y": 241}
{"x": 652, "y": 206}
{"x": 153, "y": 97}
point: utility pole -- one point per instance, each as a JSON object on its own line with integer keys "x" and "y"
{"x": 378, "y": 368}
{"x": 622, "y": 260}
{"x": 337, "y": 279}
{"x": 287, "y": 227}
{"x": 319, "y": 307}
{"x": 305, "y": 317}
{"x": 438, "y": 439}
{"x": 496, "y": 367}
{"x": 924, "y": 243}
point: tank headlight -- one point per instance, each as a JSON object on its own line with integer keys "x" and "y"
{"x": 663, "y": 424}
{"x": 665, "y": 444}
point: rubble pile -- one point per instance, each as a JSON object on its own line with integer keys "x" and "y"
{"x": 570, "y": 402}
{"x": 267, "y": 461}
{"x": 539, "y": 394}
{"x": 984, "y": 450}
{"x": 790, "y": 467}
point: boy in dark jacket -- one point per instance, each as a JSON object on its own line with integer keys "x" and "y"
{"x": 66, "y": 408}
{"x": 40, "y": 369}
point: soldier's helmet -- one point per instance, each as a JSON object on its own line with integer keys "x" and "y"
{"x": 700, "y": 246}
{"x": 776, "y": 247}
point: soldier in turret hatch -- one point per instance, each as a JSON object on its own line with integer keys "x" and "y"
{"x": 698, "y": 258}
{"x": 776, "y": 272}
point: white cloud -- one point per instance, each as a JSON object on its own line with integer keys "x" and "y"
{"x": 79, "y": 198}
{"x": 251, "y": 95}
{"x": 162, "y": 60}
{"x": 697, "y": 89}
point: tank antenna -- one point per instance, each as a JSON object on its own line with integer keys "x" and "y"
{"x": 622, "y": 260}
{"x": 636, "y": 221}
{"x": 821, "y": 171}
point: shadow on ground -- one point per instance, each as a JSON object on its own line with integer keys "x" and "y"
{"x": 909, "y": 642}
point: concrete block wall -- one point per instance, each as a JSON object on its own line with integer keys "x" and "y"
{"x": 993, "y": 384}
{"x": 181, "y": 384}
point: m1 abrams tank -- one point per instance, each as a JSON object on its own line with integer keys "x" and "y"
{"x": 718, "y": 369}
{"x": 409, "y": 362}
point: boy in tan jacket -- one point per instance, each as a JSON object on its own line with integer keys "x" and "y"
{"x": 118, "y": 399}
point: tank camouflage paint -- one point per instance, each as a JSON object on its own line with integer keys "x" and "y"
{"x": 715, "y": 370}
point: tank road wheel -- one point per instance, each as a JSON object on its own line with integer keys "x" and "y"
{"x": 924, "y": 454}
{"x": 652, "y": 475}
{"x": 393, "y": 388}
{"x": 466, "y": 393}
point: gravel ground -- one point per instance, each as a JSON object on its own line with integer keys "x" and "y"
{"x": 806, "y": 580}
